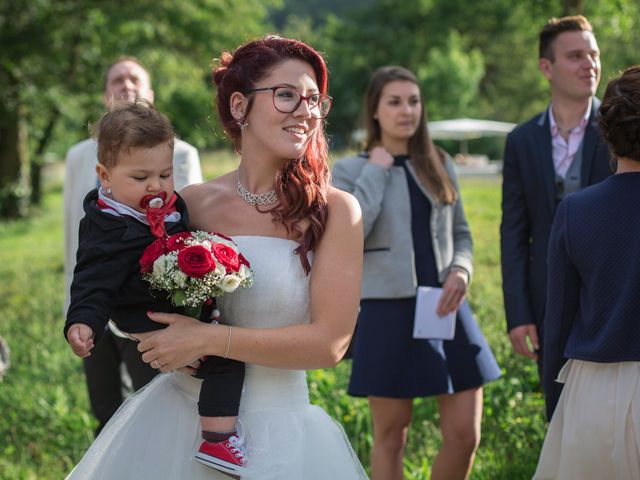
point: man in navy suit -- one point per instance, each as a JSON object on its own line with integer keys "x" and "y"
{"x": 555, "y": 153}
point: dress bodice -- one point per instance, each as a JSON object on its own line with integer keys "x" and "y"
{"x": 278, "y": 297}
{"x": 280, "y": 292}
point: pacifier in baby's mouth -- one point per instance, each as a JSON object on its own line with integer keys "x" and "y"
{"x": 156, "y": 203}
{"x": 153, "y": 201}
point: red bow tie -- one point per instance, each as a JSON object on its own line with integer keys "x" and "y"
{"x": 156, "y": 215}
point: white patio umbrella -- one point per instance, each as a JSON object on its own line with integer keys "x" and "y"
{"x": 465, "y": 129}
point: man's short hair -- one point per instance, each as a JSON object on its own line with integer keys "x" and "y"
{"x": 120, "y": 59}
{"x": 556, "y": 26}
{"x": 129, "y": 126}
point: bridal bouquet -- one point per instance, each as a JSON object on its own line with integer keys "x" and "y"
{"x": 194, "y": 267}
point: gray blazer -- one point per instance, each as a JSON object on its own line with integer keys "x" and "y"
{"x": 389, "y": 270}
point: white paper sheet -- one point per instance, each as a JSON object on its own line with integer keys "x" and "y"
{"x": 427, "y": 323}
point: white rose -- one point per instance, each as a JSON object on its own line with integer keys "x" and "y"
{"x": 179, "y": 278}
{"x": 244, "y": 272}
{"x": 220, "y": 270}
{"x": 230, "y": 283}
{"x": 160, "y": 266}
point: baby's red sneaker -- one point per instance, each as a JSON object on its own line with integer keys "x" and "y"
{"x": 228, "y": 456}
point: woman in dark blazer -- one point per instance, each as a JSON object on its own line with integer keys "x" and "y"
{"x": 415, "y": 234}
{"x": 592, "y": 321}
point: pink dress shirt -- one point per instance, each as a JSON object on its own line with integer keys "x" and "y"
{"x": 564, "y": 151}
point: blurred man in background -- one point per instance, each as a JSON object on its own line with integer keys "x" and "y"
{"x": 115, "y": 365}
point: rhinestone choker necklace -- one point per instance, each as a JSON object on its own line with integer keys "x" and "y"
{"x": 266, "y": 198}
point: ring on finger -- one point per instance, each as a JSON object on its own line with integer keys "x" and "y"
{"x": 157, "y": 364}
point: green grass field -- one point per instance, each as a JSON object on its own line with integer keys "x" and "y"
{"x": 44, "y": 421}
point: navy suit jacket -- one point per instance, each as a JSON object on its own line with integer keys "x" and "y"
{"x": 594, "y": 279}
{"x": 107, "y": 283}
{"x": 528, "y": 207}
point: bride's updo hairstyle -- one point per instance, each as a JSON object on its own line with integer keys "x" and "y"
{"x": 620, "y": 114}
{"x": 301, "y": 184}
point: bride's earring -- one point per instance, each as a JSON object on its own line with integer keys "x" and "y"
{"x": 242, "y": 125}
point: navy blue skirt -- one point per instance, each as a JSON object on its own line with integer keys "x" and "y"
{"x": 389, "y": 362}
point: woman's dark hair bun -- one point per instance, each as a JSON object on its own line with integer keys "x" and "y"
{"x": 620, "y": 114}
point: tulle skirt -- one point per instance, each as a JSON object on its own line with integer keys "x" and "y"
{"x": 595, "y": 429}
{"x": 156, "y": 432}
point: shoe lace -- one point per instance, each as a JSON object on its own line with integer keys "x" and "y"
{"x": 236, "y": 445}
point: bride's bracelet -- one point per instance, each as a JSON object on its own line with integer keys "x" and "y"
{"x": 228, "y": 342}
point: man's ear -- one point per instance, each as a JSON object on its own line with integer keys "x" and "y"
{"x": 545, "y": 66}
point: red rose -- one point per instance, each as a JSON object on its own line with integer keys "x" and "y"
{"x": 176, "y": 241}
{"x": 151, "y": 254}
{"x": 196, "y": 261}
{"x": 226, "y": 255}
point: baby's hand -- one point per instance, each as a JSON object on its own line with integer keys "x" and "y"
{"x": 80, "y": 337}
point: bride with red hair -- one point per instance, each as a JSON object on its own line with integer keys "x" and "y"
{"x": 304, "y": 241}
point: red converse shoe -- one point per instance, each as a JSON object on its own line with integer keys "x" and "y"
{"x": 228, "y": 456}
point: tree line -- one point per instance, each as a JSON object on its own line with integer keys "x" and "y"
{"x": 473, "y": 59}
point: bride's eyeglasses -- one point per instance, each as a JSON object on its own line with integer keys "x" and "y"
{"x": 288, "y": 99}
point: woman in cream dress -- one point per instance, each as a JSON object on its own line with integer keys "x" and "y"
{"x": 592, "y": 322}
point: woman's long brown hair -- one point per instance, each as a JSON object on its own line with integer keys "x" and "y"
{"x": 426, "y": 158}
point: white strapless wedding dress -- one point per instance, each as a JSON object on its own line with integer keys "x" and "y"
{"x": 156, "y": 432}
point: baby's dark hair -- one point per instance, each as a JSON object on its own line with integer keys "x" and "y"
{"x": 128, "y": 126}
{"x": 620, "y": 114}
